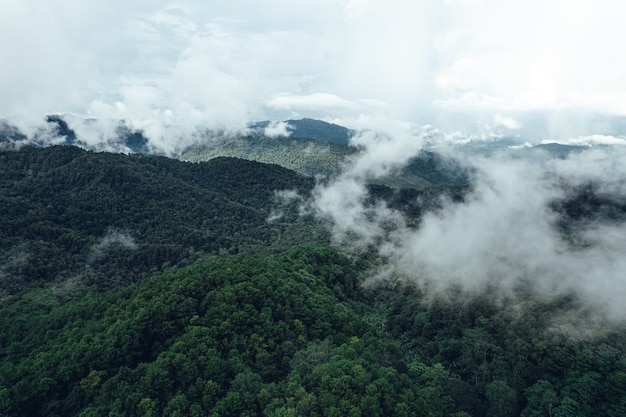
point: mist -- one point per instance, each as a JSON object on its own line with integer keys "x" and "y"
{"x": 113, "y": 239}
{"x": 507, "y": 233}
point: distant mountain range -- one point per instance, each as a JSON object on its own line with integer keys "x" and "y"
{"x": 136, "y": 142}
{"x": 312, "y": 147}
{"x": 60, "y": 132}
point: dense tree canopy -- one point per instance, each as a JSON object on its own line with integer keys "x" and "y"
{"x": 295, "y": 334}
{"x": 112, "y": 218}
{"x": 143, "y": 286}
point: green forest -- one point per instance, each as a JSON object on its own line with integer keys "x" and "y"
{"x": 136, "y": 285}
{"x": 315, "y": 157}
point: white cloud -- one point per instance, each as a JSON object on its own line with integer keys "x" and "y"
{"x": 589, "y": 140}
{"x": 174, "y": 64}
{"x": 277, "y": 129}
{"x": 314, "y": 101}
{"x": 505, "y": 234}
{"x": 473, "y": 69}
{"x": 384, "y": 146}
{"x": 507, "y": 122}
{"x": 533, "y": 55}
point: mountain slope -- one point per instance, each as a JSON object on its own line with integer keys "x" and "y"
{"x": 297, "y": 334}
{"x": 312, "y": 158}
{"x": 112, "y": 217}
{"x": 313, "y": 129}
{"x": 284, "y": 326}
{"x": 306, "y": 156}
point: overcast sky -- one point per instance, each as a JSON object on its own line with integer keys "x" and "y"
{"x": 537, "y": 68}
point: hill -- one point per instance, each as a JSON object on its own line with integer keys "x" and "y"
{"x": 103, "y": 219}
{"x": 297, "y": 334}
{"x": 307, "y": 156}
{"x": 314, "y": 148}
{"x": 313, "y": 129}
{"x": 137, "y": 285}
{"x": 58, "y": 130}
{"x": 314, "y": 158}
{"x": 110, "y": 218}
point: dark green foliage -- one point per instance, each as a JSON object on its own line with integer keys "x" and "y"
{"x": 279, "y": 327}
{"x": 587, "y": 205}
{"x": 61, "y": 128}
{"x": 427, "y": 170}
{"x": 294, "y": 334}
{"x": 312, "y": 157}
{"x": 414, "y": 203}
{"x": 320, "y": 130}
{"x": 112, "y": 218}
{"x": 510, "y": 360}
{"x": 304, "y": 155}
{"x": 313, "y": 129}
{"x": 9, "y": 135}
{"x": 207, "y": 337}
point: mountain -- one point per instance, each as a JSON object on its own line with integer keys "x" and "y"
{"x": 105, "y": 219}
{"x": 558, "y": 150}
{"x": 314, "y": 158}
{"x": 428, "y": 169}
{"x": 314, "y": 148}
{"x": 112, "y": 218}
{"x": 138, "y": 285}
{"x": 304, "y": 155}
{"x": 59, "y": 131}
{"x": 314, "y": 129}
{"x": 10, "y": 133}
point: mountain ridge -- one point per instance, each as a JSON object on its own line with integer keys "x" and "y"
{"x": 61, "y": 202}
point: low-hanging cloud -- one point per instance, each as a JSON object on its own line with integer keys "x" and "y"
{"x": 385, "y": 146}
{"x": 506, "y": 234}
{"x": 278, "y": 129}
{"x": 113, "y": 239}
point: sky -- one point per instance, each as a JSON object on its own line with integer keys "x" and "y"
{"x": 537, "y": 70}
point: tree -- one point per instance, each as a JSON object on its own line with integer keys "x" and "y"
{"x": 542, "y": 400}
{"x": 502, "y": 399}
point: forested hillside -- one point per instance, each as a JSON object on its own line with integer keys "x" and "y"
{"x": 295, "y": 334}
{"x": 313, "y": 129}
{"x": 105, "y": 219}
{"x": 136, "y": 285}
{"x": 110, "y": 218}
{"x": 304, "y": 155}
{"x": 312, "y": 157}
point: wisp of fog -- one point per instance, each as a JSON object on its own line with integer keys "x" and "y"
{"x": 506, "y": 233}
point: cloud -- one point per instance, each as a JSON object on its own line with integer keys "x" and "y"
{"x": 505, "y": 234}
{"x": 173, "y": 68}
{"x": 506, "y": 122}
{"x": 342, "y": 200}
{"x": 590, "y": 140}
{"x": 278, "y": 129}
{"x": 314, "y": 101}
{"x": 466, "y": 70}
{"x": 499, "y": 63}
{"x": 113, "y": 238}
{"x": 166, "y": 70}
